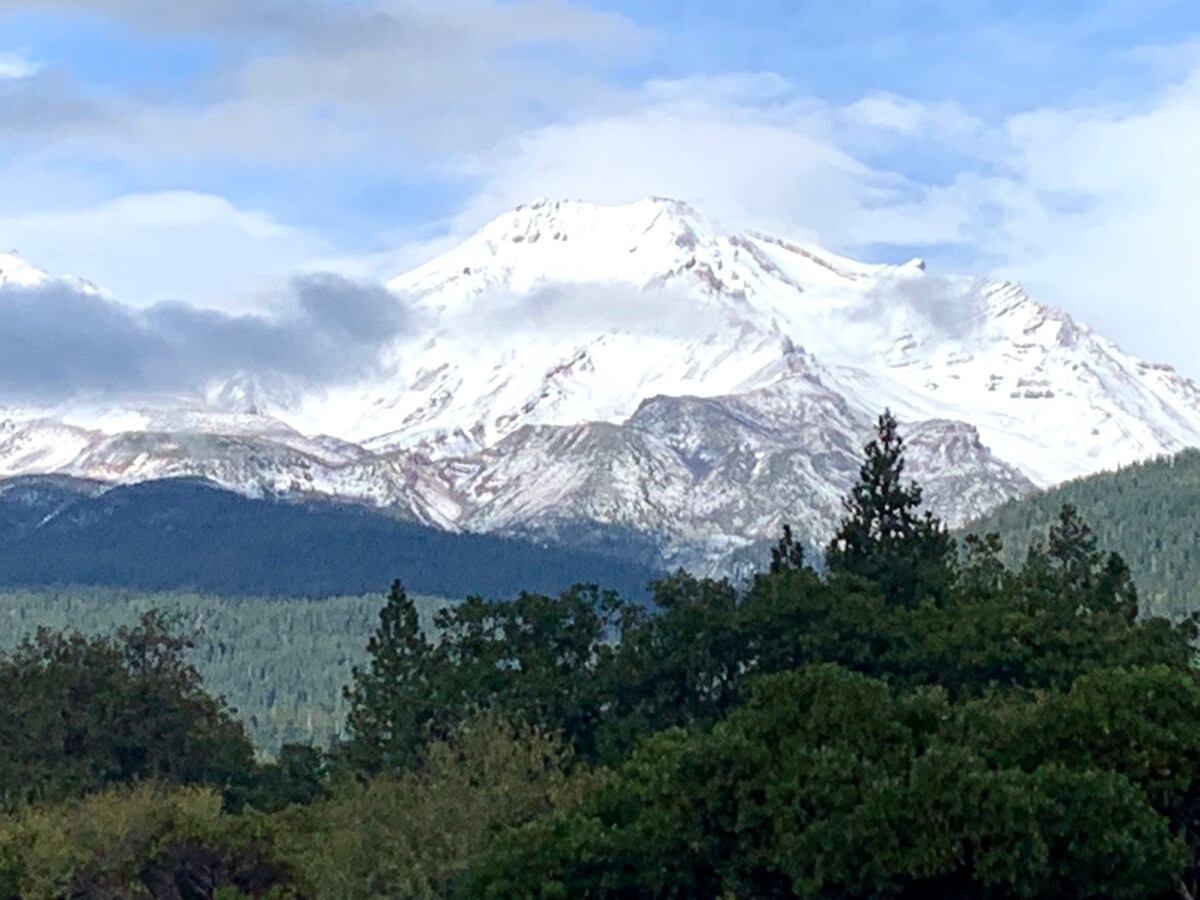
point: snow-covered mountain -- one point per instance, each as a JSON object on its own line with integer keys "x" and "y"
{"x": 637, "y": 373}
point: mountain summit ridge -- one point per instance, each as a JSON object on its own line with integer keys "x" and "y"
{"x": 581, "y": 371}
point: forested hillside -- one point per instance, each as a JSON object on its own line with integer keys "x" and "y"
{"x": 188, "y": 534}
{"x": 280, "y": 662}
{"x": 1149, "y": 513}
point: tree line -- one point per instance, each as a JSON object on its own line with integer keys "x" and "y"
{"x": 921, "y": 718}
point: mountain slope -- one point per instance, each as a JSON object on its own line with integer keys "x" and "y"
{"x": 187, "y": 534}
{"x": 700, "y": 473}
{"x": 637, "y": 375}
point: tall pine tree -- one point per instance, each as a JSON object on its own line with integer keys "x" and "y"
{"x": 391, "y": 702}
{"x": 884, "y": 538}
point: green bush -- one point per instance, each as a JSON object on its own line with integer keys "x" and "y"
{"x": 147, "y": 842}
{"x": 415, "y": 834}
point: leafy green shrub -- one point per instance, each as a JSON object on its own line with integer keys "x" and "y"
{"x": 148, "y": 842}
{"x": 414, "y": 834}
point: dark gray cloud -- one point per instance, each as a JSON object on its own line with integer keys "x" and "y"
{"x": 59, "y": 342}
{"x": 359, "y": 312}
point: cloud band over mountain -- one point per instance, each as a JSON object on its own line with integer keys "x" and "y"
{"x": 59, "y": 341}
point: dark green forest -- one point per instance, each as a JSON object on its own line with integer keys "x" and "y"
{"x": 1148, "y": 512}
{"x": 280, "y": 663}
{"x": 922, "y": 717}
{"x": 187, "y": 534}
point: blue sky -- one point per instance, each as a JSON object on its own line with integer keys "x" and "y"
{"x": 206, "y": 150}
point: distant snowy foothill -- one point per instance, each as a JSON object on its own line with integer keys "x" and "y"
{"x": 601, "y": 374}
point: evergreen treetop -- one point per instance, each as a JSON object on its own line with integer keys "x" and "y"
{"x": 884, "y": 538}
{"x": 389, "y": 712}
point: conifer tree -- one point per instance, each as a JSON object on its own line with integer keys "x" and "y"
{"x": 788, "y": 554}
{"x": 1094, "y": 580}
{"x": 390, "y": 702}
{"x": 883, "y": 537}
{"x": 981, "y": 572}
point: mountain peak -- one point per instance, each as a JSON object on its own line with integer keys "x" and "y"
{"x": 652, "y": 243}
{"x": 568, "y": 241}
{"x": 15, "y": 270}
{"x": 562, "y": 220}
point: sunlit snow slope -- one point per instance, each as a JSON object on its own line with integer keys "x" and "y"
{"x": 618, "y": 375}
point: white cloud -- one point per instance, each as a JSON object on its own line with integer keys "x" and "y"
{"x": 890, "y": 112}
{"x": 1093, "y": 208}
{"x": 744, "y": 151}
{"x": 178, "y": 245}
{"x": 1098, "y": 211}
{"x": 15, "y": 66}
